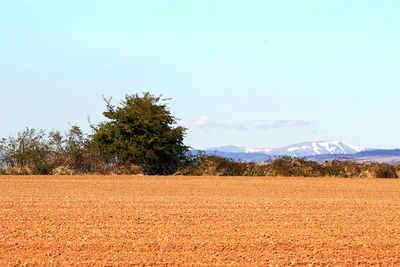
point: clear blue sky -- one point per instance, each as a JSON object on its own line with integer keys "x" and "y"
{"x": 252, "y": 74}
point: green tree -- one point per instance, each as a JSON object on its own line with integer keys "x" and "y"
{"x": 141, "y": 131}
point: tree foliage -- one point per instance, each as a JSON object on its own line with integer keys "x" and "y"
{"x": 141, "y": 131}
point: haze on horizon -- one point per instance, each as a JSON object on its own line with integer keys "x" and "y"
{"x": 257, "y": 74}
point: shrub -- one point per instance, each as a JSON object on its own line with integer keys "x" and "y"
{"x": 28, "y": 153}
{"x": 378, "y": 170}
{"x": 121, "y": 168}
{"x": 214, "y": 165}
{"x": 285, "y": 166}
{"x": 141, "y": 131}
{"x": 338, "y": 168}
{"x": 69, "y": 150}
{"x": 61, "y": 170}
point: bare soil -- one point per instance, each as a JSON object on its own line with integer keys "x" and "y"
{"x": 133, "y": 220}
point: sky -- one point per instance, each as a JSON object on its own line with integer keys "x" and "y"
{"x": 254, "y": 74}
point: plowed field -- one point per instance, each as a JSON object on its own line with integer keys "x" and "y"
{"x": 122, "y": 220}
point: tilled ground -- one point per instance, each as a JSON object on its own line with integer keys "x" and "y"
{"x": 122, "y": 220}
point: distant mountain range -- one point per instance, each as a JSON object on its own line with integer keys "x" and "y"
{"x": 316, "y": 150}
{"x": 296, "y": 150}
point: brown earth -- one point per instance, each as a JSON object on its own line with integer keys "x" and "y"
{"x": 122, "y": 220}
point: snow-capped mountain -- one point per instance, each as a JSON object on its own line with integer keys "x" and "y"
{"x": 239, "y": 149}
{"x": 297, "y": 150}
{"x": 317, "y": 148}
{"x": 316, "y": 151}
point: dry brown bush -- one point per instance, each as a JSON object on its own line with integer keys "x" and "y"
{"x": 61, "y": 170}
{"x": 126, "y": 169}
{"x": 378, "y": 170}
{"x": 215, "y": 166}
{"x": 287, "y": 166}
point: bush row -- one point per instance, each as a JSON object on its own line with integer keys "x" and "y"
{"x": 287, "y": 166}
{"x": 37, "y": 152}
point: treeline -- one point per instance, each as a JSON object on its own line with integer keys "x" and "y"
{"x": 37, "y": 152}
{"x": 140, "y": 136}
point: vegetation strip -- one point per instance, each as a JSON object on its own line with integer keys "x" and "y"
{"x": 142, "y": 137}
